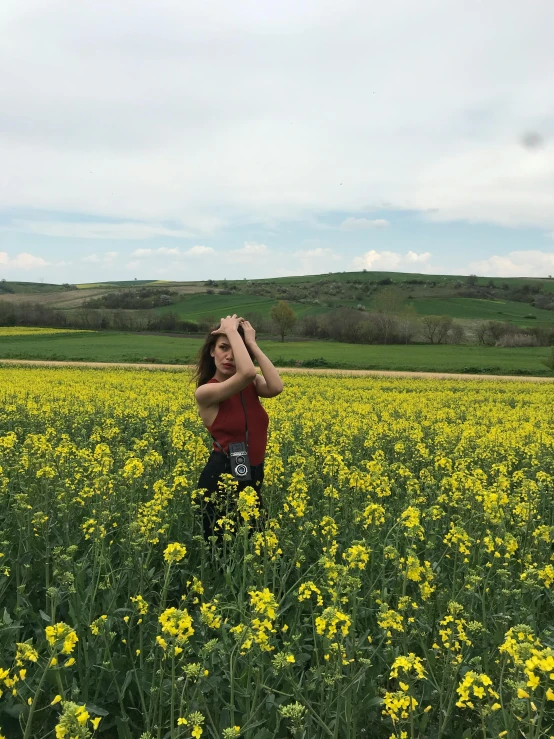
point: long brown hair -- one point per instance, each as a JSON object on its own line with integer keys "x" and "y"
{"x": 205, "y": 364}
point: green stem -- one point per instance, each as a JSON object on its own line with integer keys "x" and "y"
{"x": 28, "y": 727}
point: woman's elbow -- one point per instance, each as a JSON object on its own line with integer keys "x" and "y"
{"x": 249, "y": 374}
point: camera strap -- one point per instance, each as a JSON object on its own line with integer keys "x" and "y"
{"x": 246, "y": 424}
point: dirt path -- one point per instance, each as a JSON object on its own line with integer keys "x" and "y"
{"x": 299, "y": 370}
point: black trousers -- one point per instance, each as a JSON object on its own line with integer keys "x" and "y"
{"x": 217, "y": 465}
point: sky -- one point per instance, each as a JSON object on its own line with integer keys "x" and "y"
{"x": 194, "y": 140}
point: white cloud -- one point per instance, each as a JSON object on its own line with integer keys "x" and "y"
{"x": 169, "y": 252}
{"x": 391, "y": 260}
{"x": 318, "y": 253}
{"x": 315, "y": 261}
{"x": 251, "y": 252}
{"x": 532, "y": 263}
{"x": 355, "y": 224}
{"x": 134, "y": 264}
{"x": 106, "y": 258}
{"x": 199, "y": 251}
{"x": 96, "y": 230}
{"x": 424, "y": 257}
{"x": 432, "y": 130}
{"x": 22, "y": 261}
{"x": 194, "y": 251}
{"x": 251, "y": 248}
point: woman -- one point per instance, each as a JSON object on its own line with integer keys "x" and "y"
{"x": 225, "y": 377}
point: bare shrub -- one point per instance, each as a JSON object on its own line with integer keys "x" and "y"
{"x": 435, "y": 328}
{"x": 514, "y": 340}
{"x": 457, "y": 333}
{"x": 386, "y": 328}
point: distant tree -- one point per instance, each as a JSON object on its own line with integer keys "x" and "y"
{"x": 309, "y": 326}
{"x": 284, "y": 317}
{"x": 495, "y": 330}
{"x": 436, "y": 328}
{"x": 408, "y": 324}
{"x": 260, "y": 323}
{"x": 481, "y": 332}
{"x": 472, "y": 280}
{"x": 385, "y": 327}
{"x": 390, "y": 300}
{"x": 456, "y": 334}
{"x": 207, "y": 322}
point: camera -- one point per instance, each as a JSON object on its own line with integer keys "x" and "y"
{"x": 240, "y": 464}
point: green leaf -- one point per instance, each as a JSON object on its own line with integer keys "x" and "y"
{"x": 8, "y": 620}
{"x": 376, "y": 701}
{"x": 263, "y": 734}
{"x": 45, "y": 617}
{"x": 127, "y": 681}
{"x": 97, "y": 710}
{"x": 123, "y": 731}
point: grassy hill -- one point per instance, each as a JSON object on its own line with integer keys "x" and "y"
{"x": 406, "y": 277}
{"x": 193, "y": 307}
{"x": 29, "y": 288}
{"x": 481, "y": 309}
{"x": 518, "y": 300}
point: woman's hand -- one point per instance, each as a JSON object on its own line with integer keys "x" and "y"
{"x": 229, "y": 323}
{"x": 249, "y": 332}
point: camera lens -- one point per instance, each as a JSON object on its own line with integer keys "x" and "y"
{"x": 240, "y": 460}
{"x": 241, "y": 469}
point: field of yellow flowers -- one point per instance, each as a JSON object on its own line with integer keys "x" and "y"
{"x": 399, "y": 583}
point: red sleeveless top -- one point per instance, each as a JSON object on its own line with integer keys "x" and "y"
{"x": 230, "y": 425}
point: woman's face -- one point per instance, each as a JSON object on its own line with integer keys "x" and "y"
{"x": 223, "y": 356}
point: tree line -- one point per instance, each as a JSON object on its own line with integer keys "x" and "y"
{"x": 390, "y": 323}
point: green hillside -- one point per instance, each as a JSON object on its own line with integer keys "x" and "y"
{"x": 196, "y": 306}
{"x": 480, "y": 309}
{"x": 121, "y": 283}
{"x": 406, "y": 277}
{"x": 31, "y": 288}
{"x": 521, "y": 301}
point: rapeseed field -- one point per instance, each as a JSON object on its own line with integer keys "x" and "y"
{"x": 396, "y": 583}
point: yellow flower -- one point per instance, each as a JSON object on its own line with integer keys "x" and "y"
{"x": 174, "y": 553}
{"x": 57, "y": 699}
{"x": 61, "y": 634}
